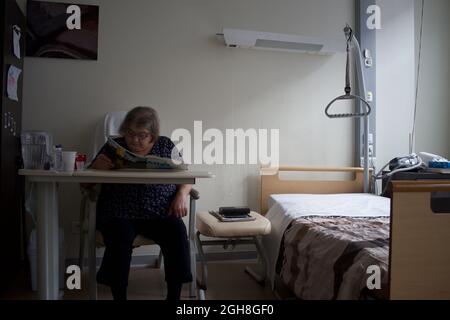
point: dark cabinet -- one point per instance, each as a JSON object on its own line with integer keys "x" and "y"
{"x": 11, "y": 237}
{"x": 411, "y": 176}
{"x": 439, "y": 201}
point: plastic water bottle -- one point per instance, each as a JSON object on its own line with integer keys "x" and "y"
{"x": 57, "y": 158}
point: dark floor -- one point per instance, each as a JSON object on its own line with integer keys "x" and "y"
{"x": 226, "y": 281}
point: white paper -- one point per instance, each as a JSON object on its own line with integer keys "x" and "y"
{"x": 13, "y": 80}
{"x": 16, "y": 40}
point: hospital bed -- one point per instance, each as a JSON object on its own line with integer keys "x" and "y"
{"x": 330, "y": 240}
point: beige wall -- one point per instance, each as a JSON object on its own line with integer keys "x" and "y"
{"x": 395, "y": 79}
{"x": 433, "y": 111}
{"x": 397, "y": 50}
{"x": 165, "y": 54}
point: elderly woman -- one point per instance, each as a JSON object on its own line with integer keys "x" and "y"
{"x": 154, "y": 211}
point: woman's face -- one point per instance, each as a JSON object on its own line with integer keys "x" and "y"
{"x": 138, "y": 140}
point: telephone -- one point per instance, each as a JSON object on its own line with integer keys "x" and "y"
{"x": 399, "y": 164}
{"x": 409, "y": 162}
{"x": 413, "y": 162}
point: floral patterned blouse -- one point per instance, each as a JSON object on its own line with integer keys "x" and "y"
{"x": 136, "y": 201}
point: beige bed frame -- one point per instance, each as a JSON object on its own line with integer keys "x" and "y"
{"x": 419, "y": 262}
{"x": 272, "y": 183}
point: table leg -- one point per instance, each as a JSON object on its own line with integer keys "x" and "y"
{"x": 192, "y": 251}
{"x": 47, "y": 240}
{"x": 92, "y": 247}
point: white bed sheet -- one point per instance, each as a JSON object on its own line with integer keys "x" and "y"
{"x": 283, "y": 208}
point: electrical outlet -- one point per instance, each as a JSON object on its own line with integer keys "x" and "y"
{"x": 75, "y": 227}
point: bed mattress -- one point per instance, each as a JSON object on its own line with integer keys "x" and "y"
{"x": 321, "y": 246}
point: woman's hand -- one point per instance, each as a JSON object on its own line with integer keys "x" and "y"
{"x": 102, "y": 163}
{"x": 178, "y": 207}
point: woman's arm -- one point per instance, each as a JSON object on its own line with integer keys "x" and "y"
{"x": 184, "y": 189}
{"x": 102, "y": 162}
{"x": 178, "y": 207}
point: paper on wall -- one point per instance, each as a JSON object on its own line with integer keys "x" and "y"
{"x": 13, "y": 80}
{"x": 16, "y": 40}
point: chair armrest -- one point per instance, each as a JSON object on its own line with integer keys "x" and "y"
{"x": 194, "y": 194}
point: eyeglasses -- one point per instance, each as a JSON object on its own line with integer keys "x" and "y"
{"x": 141, "y": 135}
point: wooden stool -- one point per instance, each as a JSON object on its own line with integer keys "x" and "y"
{"x": 232, "y": 233}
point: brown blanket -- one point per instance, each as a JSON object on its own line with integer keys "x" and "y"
{"x": 328, "y": 257}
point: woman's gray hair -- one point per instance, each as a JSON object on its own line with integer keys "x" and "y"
{"x": 142, "y": 118}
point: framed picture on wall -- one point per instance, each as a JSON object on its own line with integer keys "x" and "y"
{"x": 62, "y": 30}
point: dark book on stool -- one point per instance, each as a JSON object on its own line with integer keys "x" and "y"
{"x": 233, "y": 214}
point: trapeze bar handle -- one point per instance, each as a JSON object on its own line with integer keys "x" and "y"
{"x": 348, "y": 115}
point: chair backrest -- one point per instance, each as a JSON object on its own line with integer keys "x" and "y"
{"x": 108, "y": 126}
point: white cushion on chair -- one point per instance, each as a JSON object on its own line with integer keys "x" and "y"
{"x": 138, "y": 241}
{"x": 210, "y": 226}
{"x": 109, "y": 126}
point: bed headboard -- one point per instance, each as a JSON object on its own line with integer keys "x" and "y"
{"x": 271, "y": 183}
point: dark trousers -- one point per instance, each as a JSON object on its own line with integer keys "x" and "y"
{"x": 168, "y": 232}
